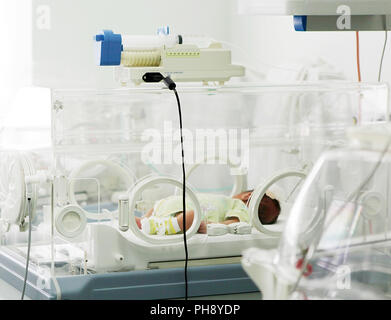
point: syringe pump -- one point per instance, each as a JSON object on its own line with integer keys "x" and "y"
{"x": 183, "y": 58}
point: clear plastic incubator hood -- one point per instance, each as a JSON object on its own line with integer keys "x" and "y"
{"x": 336, "y": 242}
{"x": 116, "y": 154}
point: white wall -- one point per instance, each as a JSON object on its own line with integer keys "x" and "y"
{"x": 63, "y": 51}
{"x": 15, "y": 50}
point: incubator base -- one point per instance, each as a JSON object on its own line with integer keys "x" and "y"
{"x": 118, "y": 265}
{"x": 115, "y": 251}
{"x": 144, "y": 284}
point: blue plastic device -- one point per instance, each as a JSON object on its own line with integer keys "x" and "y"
{"x": 300, "y": 23}
{"x": 108, "y": 48}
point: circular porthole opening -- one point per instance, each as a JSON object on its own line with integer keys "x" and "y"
{"x": 70, "y": 221}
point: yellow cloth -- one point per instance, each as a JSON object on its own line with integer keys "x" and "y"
{"x": 215, "y": 208}
{"x": 160, "y": 226}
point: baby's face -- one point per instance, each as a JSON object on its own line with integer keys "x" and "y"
{"x": 244, "y": 196}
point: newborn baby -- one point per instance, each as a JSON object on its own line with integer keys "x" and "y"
{"x": 167, "y": 217}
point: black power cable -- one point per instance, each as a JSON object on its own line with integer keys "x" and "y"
{"x": 157, "y": 77}
{"x": 28, "y": 247}
{"x": 183, "y": 193}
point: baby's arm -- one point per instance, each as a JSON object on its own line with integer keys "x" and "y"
{"x": 230, "y": 220}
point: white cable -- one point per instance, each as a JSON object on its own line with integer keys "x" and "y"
{"x": 52, "y": 249}
{"x": 382, "y": 56}
{"x": 28, "y": 249}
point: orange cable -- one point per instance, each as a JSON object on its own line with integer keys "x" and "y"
{"x": 358, "y": 56}
{"x": 358, "y": 73}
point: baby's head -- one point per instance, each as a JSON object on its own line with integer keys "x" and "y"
{"x": 269, "y": 209}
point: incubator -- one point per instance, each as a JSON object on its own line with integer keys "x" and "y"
{"x": 336, "y": 244}
{"x": 116, "y": 153}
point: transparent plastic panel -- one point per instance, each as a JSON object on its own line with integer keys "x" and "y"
{"x": 328, "y": 200}
{"x": 340, "y": 225}
{"x": 320, "y": 111}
